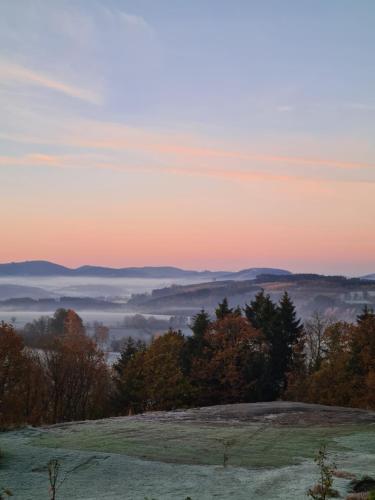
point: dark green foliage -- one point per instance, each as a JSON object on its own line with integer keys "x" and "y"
{"x": 232, "y": 359}
{"x": 199, "y": 327}
{"x": 366, "y": 483}
{"x": 129, "y": 349}
{"x": 128, "y": 380}
{"x": 367, "y": 313}
{"x": 290, "y": 331}
{"x": 196, "y": 344}
{"x": 282, "y": 330}
{"x": 262, "y": 313}
{"x": 223, "y": 309}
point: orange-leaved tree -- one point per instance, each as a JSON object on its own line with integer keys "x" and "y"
{"x": 22, "y": 382}
{"x": 77, "y": 373}
{"x": 234, "y": 363}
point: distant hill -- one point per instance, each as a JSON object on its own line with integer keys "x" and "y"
{"x": 51, "y": 304}
{"x": 45, "y": 268}
{"x": 341, "y": 296}
{"x": 34, "y": 268}
{"x": 10, "y": 291}
{"x": 369, "y": 277}
{"x": 255, "y": 272}
{"x": 141, "y": 272}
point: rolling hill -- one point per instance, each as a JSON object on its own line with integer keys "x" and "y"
{"x": 45, "y": 268}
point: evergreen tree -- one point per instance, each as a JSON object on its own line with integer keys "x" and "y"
{"x": 200, "y": 325}
{"x": 262, "y": 313}
{"x": 282, "y": 330}
{"x": 237, "y": 311}
{"x": 223, "y": 309}
{"x": 128, "y": 382}
{"x": 195, "y": 344}
{"x": 129, "y": 349}
{"x": 367, "y": 313}
{"x": 289, "y": 335}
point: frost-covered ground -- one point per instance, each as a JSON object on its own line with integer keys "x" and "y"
{"x": 268, "y": 447}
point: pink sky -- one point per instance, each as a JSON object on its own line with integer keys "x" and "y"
{"x": 130, "y": 139}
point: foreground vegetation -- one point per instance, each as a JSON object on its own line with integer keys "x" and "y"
{"x": 202, "y": 454}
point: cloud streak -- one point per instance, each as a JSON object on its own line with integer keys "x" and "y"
{"x": 92, "y": 135}
{"x": 88, "y": 161}
{"x": 134, "y": 20}
{"x": 11, "y": 73}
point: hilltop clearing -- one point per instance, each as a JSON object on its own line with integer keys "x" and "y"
{"x": 257, "y": 451}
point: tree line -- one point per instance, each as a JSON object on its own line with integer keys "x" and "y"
{"x": 258, "y": 353}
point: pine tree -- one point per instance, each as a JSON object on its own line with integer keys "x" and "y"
{"x": 129, "y": 349}
{"x": 128, "y": 382}
{"x": 282, "y": 330}
{"x": 289, "y": 335}
{"x": 195, "y": 344}
{"x": 223, "y": 309}
{"x": 367, "y": 313}
{"x": 199, "y": 327}
{"x": 262, "y": 313}
{"x": 237, "y": 311}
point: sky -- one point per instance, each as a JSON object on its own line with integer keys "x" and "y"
{"x": 205, "y": 134}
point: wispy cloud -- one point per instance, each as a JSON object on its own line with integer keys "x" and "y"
{"x": 11, "y": 73}
{"x": 134, "y": 20}
{"x": 90, "y": 161}
{"x": 179, "y": 149}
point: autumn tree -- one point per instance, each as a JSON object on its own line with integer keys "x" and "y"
{"x": 153, "y": 378}
{"x": 41, "y": 332}
{"x": 331, "y": 382}
{"x": 361, "y": 365}
{"x": 345, "y": 373}
{"x": 22, "y": 385}
{"x": 101, "y": 334}
{"x": 233, "y": 368}
{"x": 315, "y": 328}
{"x": 58, "y": 322}
{"x": 77, "y": 373}
{"x": 166, "y": 385}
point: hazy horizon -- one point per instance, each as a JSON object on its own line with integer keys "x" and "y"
{"x": 309, "y": 268}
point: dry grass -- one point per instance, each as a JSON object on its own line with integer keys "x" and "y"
{"x": 343, "y": 474}
{"x": 358, "y": 496}
{"x": 318, "y": 490}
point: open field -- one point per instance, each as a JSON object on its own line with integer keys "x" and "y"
{"x": 267, "y": 447}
